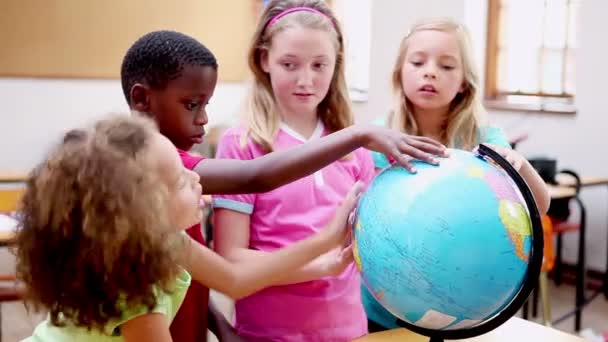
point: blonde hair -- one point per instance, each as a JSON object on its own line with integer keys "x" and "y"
{"x": 261, "y": 113}
{"x": 465, "y": 111}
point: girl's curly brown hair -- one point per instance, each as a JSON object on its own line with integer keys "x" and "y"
{"x": 94, "y": 236}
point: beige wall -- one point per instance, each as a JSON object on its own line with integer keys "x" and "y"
{"x": 87, "y": 39}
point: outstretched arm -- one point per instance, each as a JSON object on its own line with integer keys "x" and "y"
{"x": 241, "y": 278}
{"x": 229, "y": 176}
{"x": 231, "y": 240}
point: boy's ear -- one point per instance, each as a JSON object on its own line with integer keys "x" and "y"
{"x": 264, "y": 60}
{"x": 140, "y": 98}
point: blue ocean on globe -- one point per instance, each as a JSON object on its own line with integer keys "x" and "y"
{"x": 447, "y": 247}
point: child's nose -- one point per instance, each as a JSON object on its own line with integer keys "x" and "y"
{"x": 430, "y": 72}
{"x": 201, "y": 118}
{"x": 305, "y": 77}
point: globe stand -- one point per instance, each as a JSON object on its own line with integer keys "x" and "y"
{"x": 534, "y": 265}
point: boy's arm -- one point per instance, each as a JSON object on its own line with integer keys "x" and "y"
{"x": 229, "y": 176}
{"x": 219, "y": 325}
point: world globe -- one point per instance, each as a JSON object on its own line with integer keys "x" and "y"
{"x": 453, "y": 250}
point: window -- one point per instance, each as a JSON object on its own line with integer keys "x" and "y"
{"x": 531, "y": 55}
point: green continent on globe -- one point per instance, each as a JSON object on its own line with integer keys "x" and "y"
{"x": 515, "y": 219}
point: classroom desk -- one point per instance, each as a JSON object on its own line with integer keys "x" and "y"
{"x": 589, "y": 181}
{"x": 7, "y": 230}
{"x": 586, "y": 181}
{"x": 13, "y": 176}
{"x": 559, "y": 192}
{"x": 515, "y": 329}
{"x": 12, "y": 184}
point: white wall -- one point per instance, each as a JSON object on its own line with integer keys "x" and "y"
{"x": 34, "y": 113}
{"x": 356, "y": 25}
{"x": 577, "y": 141}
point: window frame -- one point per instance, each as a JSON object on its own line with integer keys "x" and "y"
{"x": 494, "y": 99}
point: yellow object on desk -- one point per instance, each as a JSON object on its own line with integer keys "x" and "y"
{"x": 515, "y": 329}
{"x": 9, "y": 198}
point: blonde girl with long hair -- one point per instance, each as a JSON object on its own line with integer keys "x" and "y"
{"x": 436, "y": 94}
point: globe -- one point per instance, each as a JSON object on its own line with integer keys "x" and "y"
{"x": 448, "y": 248}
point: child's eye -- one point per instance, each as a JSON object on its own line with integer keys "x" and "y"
{"x": 289, "y": 65}
{"x": 191, "y": 106}
{"x": 319, "y": 66}
{"x": 416, "y": 63}
{"x": 448, "y": 67}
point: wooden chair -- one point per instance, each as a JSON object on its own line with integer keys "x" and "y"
{"x": 548, "y": 262}
{"x": 560, "y": 214}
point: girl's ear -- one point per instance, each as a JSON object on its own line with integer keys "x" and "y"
{"x": 264, "y": 60}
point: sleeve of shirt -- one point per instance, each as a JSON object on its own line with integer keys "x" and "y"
{"x": 229, "y": 147}
{"x": 163, "y": 306}
{"x": 493, "y": 135}
{"x": 366, "y": 162}
{"x": 167, "y": 303}
{"x": 189, "y": 160}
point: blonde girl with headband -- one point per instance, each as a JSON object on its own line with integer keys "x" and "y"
{"x": 299, "y": 94}
{"x": 437, "y": 95}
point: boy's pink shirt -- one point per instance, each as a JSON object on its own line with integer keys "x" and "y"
{"x": 328, "y": 309}
{"x": 189, "y": 160}
{"x": 190, "y": 323}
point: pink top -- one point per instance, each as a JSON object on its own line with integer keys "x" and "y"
{"x": 328, "y": 309}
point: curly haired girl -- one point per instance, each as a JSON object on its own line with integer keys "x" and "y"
{"x": 101, "y": 241}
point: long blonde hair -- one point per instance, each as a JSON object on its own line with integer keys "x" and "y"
{"x": 466, "y": 109}
{"x": 261, "y": 113}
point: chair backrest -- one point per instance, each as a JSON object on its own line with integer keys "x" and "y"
{"x": 549, "y": 248}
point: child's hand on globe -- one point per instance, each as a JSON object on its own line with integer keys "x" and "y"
{"x": 335, "y": 262}
{"x": 513, "y": 157}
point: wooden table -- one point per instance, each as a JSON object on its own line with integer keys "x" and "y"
{"x": 12, "y": 184}
{"x": 565, "y": 180}
{"x": 13, "y": 176}
{"x": 7, "y": 230}
{"x": 559, "y": 191}
{"x": 514, "y": 330}
{"x": 589, "y": 181}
